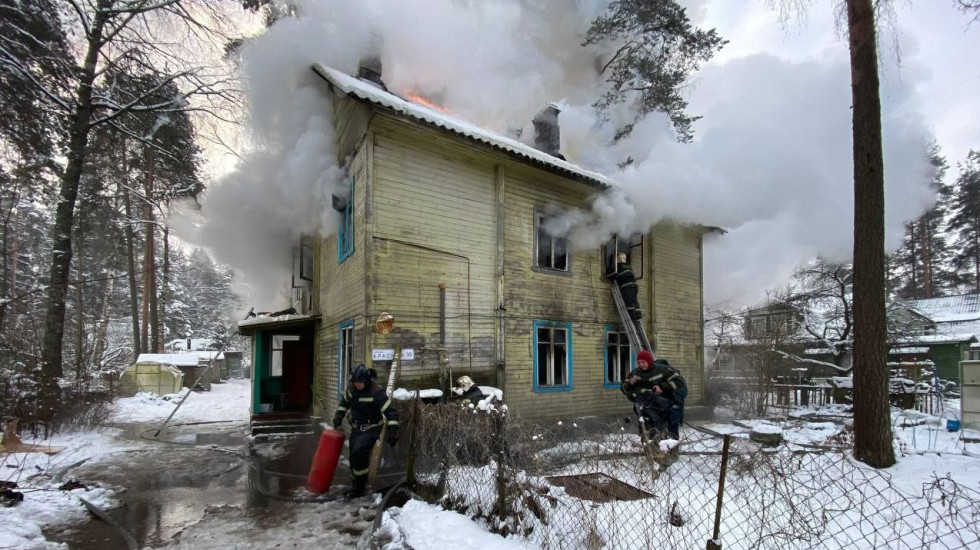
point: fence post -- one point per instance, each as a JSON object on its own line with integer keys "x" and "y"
{"x": 715, "y": 543}
{"x": 412, "y": 438}
{"x": 500, "y": 450}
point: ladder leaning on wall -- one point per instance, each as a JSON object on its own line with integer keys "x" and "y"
{"x": 634, "y": 328}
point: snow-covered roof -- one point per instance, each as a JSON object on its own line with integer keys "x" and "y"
{"x": 372, "y": 94}
{"x": 937, "y": 339}
{"x": 176, "y": 359}
{"x": 904, "y": 350}
{"x": 262, "y": 319}
{"x": 949, "y": 308}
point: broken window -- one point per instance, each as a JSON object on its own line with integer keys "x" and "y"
{"x": 277, "y": 344}
{"x": 552, "y": 252}
{"x": 345, "y": 233}
{"x": 632, "y": 247}
{"x": 552, "y": 358}
{"x": 345, "y": 357}
{"x": 306, "y": 258}
{"x": 618, "y": 359}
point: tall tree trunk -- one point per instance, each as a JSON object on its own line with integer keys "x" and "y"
{"x": 976, "y": 256}
{"x": 913, "y": 263}
{"x": 165, "y": 284}
{"x": 147, "y": 289}
{"x": 54, "y": 317}
{"x": 925, "y": 250}
{"x": 150, "y": 289}
{"x": 98, "y": 351}
{"x": 80, "y": 299}
{"x": 134, "y": 308}
{"x": 6, "y": 285}
{"x": 872, "y": 419}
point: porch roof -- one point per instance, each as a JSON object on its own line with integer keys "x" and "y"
{"x": 262, "y": 323}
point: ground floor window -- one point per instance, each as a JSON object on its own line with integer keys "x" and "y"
{"x": 617, "y": 357}
{"x": 345, "y": 355}
{"x": 552, "y": 356}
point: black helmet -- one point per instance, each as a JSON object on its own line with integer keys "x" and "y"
{"x": 361, "y": 374}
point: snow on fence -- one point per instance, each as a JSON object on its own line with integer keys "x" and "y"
{"x": 565, "y": 486}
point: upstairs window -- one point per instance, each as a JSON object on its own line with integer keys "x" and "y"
{"x": 345, "y": 233}
{"x": 550, "y": 252}
{"x": 552, "y": 356}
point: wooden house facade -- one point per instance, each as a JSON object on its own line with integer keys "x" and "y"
{"x": 443, "y": 229}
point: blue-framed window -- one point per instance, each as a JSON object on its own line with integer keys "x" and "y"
{"x": 345, "y": 355}
{"x": 345, "y": 233}
{"x": 552, "y": 356}
{"x": 618, "y": 356}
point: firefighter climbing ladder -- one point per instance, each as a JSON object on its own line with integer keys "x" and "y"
{"x": 634, "y": 329}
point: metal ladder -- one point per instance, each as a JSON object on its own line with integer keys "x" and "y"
{"x": 634, "y": 329}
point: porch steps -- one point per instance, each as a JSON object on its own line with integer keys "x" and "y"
{"x": 282, "y": 426}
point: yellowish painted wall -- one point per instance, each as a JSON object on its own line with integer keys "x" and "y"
{"x": 434, "y": 225}
{"x": 581, "y": 297}
{"x": 340, "y": 287}
{"x": 432, "y": 219}
{"x": 677, "y": 304}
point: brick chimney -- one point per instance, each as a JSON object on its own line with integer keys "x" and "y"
{"x": 369, "y": 70}
{"x": 547, "y": 136}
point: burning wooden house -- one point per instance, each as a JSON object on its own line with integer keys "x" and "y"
{"x": 444, "y": 226}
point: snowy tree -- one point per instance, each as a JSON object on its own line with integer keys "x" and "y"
{"x": 965, "y": 221}
{"x": 656, "y": 48}
{"x": 202, "y": 299}
{"x": 156, "y": 37}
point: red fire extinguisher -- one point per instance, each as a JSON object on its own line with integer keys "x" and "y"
{"x": 325, "y": 461}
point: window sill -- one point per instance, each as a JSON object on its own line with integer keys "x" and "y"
{"x": 552, "y": 389}
{"x": 550, "y": 271}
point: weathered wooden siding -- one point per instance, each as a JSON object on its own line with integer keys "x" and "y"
{"x": 433, "y": 218}
{"x": 340, "y": 293}
{"x": 581, "y": 297}
{"x": 676, "y": 302}
{"x": 433, "y": 224}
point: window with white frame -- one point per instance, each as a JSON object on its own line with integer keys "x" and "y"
{"x": 618, "y": 358}
{"x": 278, "y": 340}
{"x": 345, "y": 355}
{"x": 550, "y": 252}
{"x": 552, "y": 356}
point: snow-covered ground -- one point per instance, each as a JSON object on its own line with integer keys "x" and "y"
{"x": 227, "y": 401}
{"x": 927, "y": 451}
{"x": 39, "y": 475}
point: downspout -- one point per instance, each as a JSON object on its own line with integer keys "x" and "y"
{"x": 500, "y": 360}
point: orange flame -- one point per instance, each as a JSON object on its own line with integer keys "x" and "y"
{"x": 422, "y": 100}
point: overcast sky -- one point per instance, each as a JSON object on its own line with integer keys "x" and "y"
{"x": 939, "y": 49}
{"x": 770, "y": 161}
{"x": 930, "y": 71}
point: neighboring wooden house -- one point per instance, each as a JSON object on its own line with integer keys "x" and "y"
{"x": 444, "y": 228}
{"x": 937, "y": 330}
{"x": 957, "y": 324}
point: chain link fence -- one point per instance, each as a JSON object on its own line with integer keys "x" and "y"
{"x": 563, "y": 485}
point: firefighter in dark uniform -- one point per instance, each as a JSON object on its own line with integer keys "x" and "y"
{"x": 627, "y": 286}
{"x": 370, "y": 409}
{"x": 657, "y": 391}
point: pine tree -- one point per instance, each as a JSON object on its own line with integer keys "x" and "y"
{"x": 965, "y": 222}
{"x": 655, "y": 51}
{"x": 922, "y": 267}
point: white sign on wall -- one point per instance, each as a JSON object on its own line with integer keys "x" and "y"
{"x": 389, "y": 354}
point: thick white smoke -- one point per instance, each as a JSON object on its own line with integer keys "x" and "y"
{"x": 771, "y": 162}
